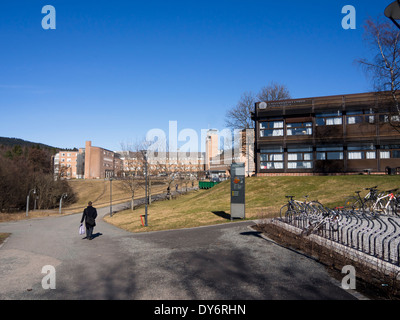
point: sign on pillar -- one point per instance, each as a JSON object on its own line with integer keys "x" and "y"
{"x": 238, "y": 190}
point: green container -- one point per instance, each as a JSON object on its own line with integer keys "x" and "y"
{"x": 207, "y": 184}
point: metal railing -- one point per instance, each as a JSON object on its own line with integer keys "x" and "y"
{"x": 377, "y": 235}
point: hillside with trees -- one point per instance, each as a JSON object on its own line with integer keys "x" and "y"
{"x": 25, "y": 167}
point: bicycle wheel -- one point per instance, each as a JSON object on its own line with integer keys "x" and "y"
{"x": 350, "y": 203}
{"x": 286, "y": 213}
{"x": 392, "y": 208}
{"x": 369, "y": 207}
{"x": 397, "y": 207}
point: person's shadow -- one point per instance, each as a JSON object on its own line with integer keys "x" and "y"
{"x": 97, "y": 234}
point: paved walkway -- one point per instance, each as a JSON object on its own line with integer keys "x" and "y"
{"x": 228, "y": 261}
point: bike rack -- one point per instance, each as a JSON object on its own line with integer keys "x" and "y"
{"x": 375, "y": 235}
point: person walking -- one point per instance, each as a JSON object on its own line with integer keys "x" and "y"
{"x": 89, "y": 216}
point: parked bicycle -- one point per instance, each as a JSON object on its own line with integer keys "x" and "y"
{"x": 386, "y": 203}
{"x": 357, "y": 203}
{"x": 296, "y": 207}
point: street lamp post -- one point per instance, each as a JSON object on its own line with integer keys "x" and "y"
{"x": 111, "y": 196}
{"x": 392, "y": 11}
{"x": 27, "y": 200}
{"x": 144, "y": 152}
{"x": 62, "y": 197}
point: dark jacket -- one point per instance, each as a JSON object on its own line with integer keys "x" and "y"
{"x": 89, "y": 215}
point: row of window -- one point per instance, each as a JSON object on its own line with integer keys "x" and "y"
{"x": 276, "y": 128}
{"x": 302, "y": 157}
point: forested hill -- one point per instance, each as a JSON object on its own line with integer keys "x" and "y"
{"x": 10, "y": 142}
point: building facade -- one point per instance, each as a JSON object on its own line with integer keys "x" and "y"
{"x": 218, "y": 162}
{"x": 99, "y": 163}
{"x": 161, "y": 164}
{"x": 326, "y": 135}
{"x": 69, "y": 164}
{"x": 88, "y": 163}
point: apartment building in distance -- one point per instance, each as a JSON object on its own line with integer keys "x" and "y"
{"x": 218, "y": 162}
{"x": 100, "y": 163}
{"x": 94, "y": 162}
{"x": 69, "y": 164}
{"x": 343, "y": 134}
{"x": 163, "y": 163}
{"x": 88, "y": 163}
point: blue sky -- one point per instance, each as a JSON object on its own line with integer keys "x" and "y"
{"x": 113, "y": 70}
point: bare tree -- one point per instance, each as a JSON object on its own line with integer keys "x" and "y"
{"x": 384, "y": 41}
{"x": 133, "y": 175}
{"x": 274, "y": 92}
{"x": 239, "y": 117}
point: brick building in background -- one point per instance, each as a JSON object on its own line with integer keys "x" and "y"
{"x": 69, "y": 164}
{"x": 88, "y": 163}
{"x": 94, "y": 162}
{"x": 99, "y": 163}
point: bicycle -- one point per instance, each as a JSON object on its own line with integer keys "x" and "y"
{"x": 385, "y": 203}
{"x": 296, "y": 207}
{"x": 329, "y": 219}
{"x": 357, "y": 203}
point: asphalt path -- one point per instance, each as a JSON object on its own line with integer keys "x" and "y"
{"x": 229, "y": 261}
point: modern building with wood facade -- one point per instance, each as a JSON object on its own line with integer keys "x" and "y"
{"x": 341, "y": 134}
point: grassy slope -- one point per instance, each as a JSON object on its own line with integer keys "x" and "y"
{"x": 97, "y": 191}
{"x": 264, "y": 197}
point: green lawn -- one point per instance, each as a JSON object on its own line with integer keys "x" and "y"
{"x": 264, "y": 197}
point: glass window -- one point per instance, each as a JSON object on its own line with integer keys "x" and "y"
{"x": 330, "y": 153}
{"x": 299, "y": 129}
{"x": 300, "y": 165}
{"x": 271, "y": 158}
{"x": 355, "y": 155}
{"x": 396, "y": 154}
{"x": 359, "y": 152}
{"x": 370, "y": 154}
{"x": 329, "y": 119}
{"x": 390, "y": 151}
{"x": 300, "y": 157}
{"x": 271, "y": 129}
{"x": 366, "y": 116}
{"x": 385, "y": 154}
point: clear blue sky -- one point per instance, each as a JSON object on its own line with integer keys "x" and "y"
{"x": 113, "y": 70}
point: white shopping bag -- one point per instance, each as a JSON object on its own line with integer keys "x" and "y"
{"x": 81, "y": 229}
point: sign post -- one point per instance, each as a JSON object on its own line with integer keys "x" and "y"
{"x": 238, "y": 190}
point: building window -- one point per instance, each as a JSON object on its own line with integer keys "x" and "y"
{"x": 299, "y": 129}
{"x": 330, "y": 153}
{"x": 300, "y": 158}
{"x": 366, "y": 116}
{"x": 360, "y": 152}
{"x": 389, "y": 152}
{"x": 271, "y": 158}
{"x": 329, "y": 119}
{"x": 271, "y": 129}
